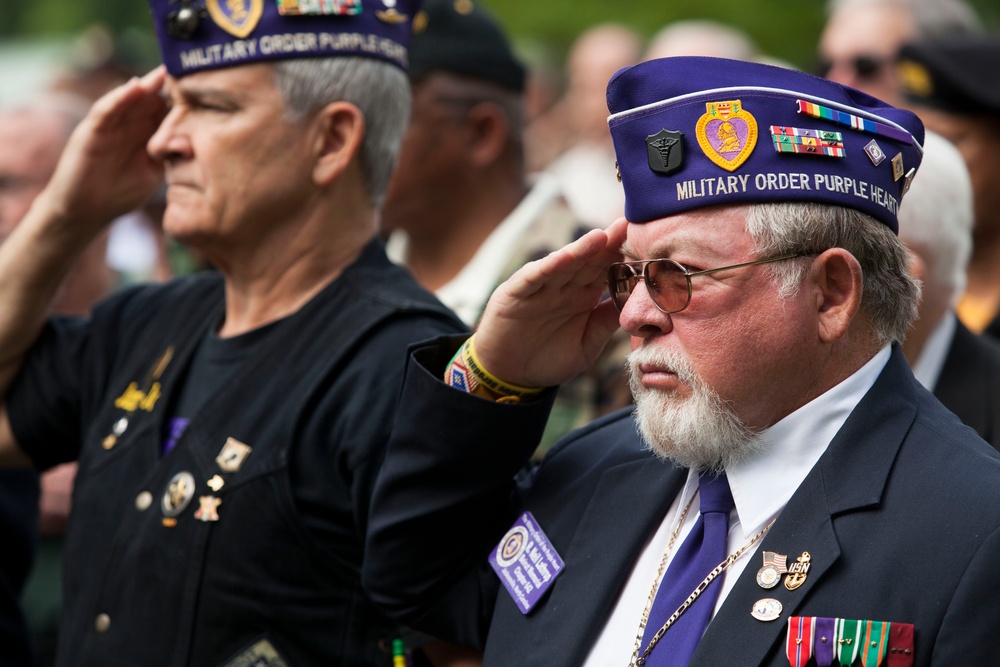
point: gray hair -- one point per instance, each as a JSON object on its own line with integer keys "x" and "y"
{"x": 889, "y": 294}
{"x": 937, "y": 216}
{"x": 934, "y": 19}
{"x": 380, "y": 90}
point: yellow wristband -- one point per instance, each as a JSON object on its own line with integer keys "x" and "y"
{"x": 465, "y": 372}
{"x": 490, "y": 381}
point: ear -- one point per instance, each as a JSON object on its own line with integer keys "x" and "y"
{"x": 837, "y": 279}
{"x": 490, "y": 132}
{"x": 340, "y": 129}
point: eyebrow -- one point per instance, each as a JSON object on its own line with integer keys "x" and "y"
{"x": 664, "y": 249}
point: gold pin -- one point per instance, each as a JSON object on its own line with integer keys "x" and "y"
{"x": 169, "y": 523}
{"x": 178, "y": 495}
{"x": 216, "y": 483}
{"x": 209, "y": 510}
{"x": 109, "y": 442}
{"x": 797, "y": 571}
{"x": 233, "y": 454}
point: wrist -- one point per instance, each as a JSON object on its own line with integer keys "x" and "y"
{"x": 466, "y": 372}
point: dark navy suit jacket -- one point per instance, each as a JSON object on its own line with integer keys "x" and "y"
{"x": 901, "y": 516}
{"x": 969, "y": 384}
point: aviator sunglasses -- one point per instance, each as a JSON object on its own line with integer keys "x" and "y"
{"x": 668, "y": 283}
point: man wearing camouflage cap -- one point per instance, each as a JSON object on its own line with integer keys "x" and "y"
{"x": 792, "y": 495}
{"x": 228, "y": 425}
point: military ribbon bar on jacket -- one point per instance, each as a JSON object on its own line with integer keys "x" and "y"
{"x": 842, "y": 641}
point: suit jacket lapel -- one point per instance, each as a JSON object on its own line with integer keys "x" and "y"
{"x": 851, "y": 475}
{"x": 627, "y": 506}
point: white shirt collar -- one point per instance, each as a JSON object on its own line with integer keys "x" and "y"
{"x": 795, "y": 444}
{"x": 928, "y": 367}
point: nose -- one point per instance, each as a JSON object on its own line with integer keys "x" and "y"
{"x": 641, "y": 318}
{"x": 169, "y": 142}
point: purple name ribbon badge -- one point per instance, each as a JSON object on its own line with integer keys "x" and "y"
{"x": 526, "y": 562}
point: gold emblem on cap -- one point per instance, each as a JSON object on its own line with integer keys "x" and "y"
{"x": 239, "y": 18}
{"x": 389, "y": 14}
{"x": 233, "y": 454}
{"x": 725, "y": 147}
{"x": 916, "y": 79}
{"x": 897, "y": 167}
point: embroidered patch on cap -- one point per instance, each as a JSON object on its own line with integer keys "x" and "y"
{"x": 727, "y": 133}
{"x": 237, "y": 17}
{"x": 319, "y": 7}
{"x": 809, "y": 142}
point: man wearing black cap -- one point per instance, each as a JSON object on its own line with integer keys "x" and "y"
{"x": 462, "y": 213}
{"x": 954, "y": 86}
{"x": 792, "y": 496}
{"x": 228, "y": 426}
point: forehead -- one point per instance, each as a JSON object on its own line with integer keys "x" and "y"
{"x": 867, "y": 28}
{"x": 717, "y": 233}
{"x": 245, "y": 82}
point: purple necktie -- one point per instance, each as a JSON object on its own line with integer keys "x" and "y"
{"x": 704, "y": 548}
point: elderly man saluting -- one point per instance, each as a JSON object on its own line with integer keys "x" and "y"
{"x": 228, "y": 426}
{"x": 786, "y": 492}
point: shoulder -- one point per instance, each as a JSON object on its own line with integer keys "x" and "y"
{"x": 605, "y": 442}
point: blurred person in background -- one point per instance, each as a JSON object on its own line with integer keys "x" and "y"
{"x": 462, "y": 213}
{"x": 32, "y": 136}
{"x": 584, "y": 159}
{"x": 935, "y": 223}
{"x": 861, "y": 38}
{"x": 954, "y": 86}
{"x": 701, "y": 38}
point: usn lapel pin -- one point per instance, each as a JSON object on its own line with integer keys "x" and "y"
{"x": 797, "y": 572}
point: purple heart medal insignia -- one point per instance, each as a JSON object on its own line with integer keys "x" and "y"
{"x": 526, "y": 562}
{"x": 727, "y": 133}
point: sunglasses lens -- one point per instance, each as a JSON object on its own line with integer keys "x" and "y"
{"x": 665, "y": 282}
{"x": 867, "y": 66}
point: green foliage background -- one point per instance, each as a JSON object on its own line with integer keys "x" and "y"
{"x": 786, "y": 29}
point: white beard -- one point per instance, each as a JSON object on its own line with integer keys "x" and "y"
{"x": 700, "y": 431}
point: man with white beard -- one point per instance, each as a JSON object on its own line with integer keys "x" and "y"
{"x": 786, "y": 493}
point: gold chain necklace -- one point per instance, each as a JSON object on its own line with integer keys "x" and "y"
{"x": 640, "y": 660}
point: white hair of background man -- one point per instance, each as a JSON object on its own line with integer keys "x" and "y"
{"x": 936, "y": 214}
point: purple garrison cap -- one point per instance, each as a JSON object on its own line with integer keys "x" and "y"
{"x": 196, "y": 35}
{"x": 691, "y": 132}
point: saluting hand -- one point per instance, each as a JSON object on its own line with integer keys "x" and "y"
{"x": 105, "y": 170}
{"x": 549, "y": 321}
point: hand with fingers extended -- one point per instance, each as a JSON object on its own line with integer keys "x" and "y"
{"x": 549, "y": 321}
{"x": 105, "y": 170}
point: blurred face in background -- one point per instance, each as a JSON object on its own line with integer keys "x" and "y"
{"x": 859, "y": 44}
{"x": 30, "y": 145}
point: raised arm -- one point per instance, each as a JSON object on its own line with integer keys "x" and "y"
{"x": 104, "y": 172}
{"x": 548, "y": 322}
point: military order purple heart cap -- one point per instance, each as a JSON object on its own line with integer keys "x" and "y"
{"x": 197, "y": 35}
{"x": 692, "y": 132}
